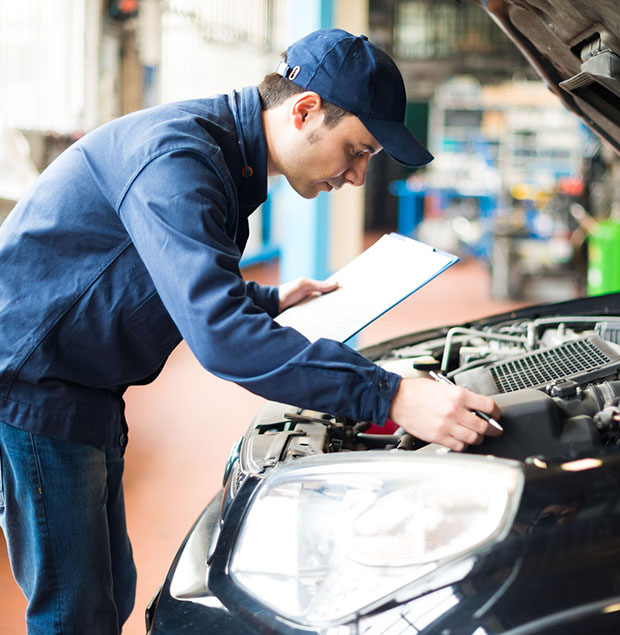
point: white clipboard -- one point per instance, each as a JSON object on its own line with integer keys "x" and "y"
{"x": 372, "y": 283}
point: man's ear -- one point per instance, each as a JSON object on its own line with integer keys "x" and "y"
{"x": 304, "y": 107}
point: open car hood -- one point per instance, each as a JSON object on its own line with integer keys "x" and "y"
{"x": 574, "y": 46}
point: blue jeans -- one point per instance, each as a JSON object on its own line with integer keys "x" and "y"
{"x": 63, "y": 515}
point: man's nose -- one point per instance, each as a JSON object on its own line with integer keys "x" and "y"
{"x": 356, "y": 173}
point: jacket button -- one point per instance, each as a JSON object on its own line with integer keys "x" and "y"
{"x": 384, "y": 384}
{"x": 122, "y": 440}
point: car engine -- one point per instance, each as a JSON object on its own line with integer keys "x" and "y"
{"x": 555, "y": 379}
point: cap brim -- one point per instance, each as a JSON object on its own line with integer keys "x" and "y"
{"x": 398, "y": 142}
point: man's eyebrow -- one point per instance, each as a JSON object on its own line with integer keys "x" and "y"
{"x": 370, "y": 149}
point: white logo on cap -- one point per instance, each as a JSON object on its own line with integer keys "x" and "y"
{"x": 294, "y": 72}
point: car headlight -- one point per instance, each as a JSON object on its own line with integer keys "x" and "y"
{"x": 325, "y": 537}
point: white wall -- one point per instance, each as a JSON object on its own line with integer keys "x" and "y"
{"x": 42, "y": 64}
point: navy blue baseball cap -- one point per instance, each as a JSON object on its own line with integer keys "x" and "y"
{"x": 356, "y": 75}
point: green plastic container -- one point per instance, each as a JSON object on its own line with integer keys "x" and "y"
{"x": 604, "y": 258}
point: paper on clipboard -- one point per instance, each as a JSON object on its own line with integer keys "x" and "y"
{"x": 371, "y": 284}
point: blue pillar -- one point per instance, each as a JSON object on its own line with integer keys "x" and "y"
{"x": 305, "y": 223}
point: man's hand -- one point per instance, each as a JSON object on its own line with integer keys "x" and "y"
{"x": 439, "y": 413}
{"x": 297, "y": 290}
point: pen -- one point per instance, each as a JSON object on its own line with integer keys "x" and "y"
{"x": 483, "y": 415}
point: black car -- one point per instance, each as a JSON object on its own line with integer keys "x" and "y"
{"x": 327, "y": 525}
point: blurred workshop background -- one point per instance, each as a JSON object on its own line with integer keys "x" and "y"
{"x": 519, "y": 189}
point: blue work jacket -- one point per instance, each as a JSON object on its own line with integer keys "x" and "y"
{"x": 130, "y": 241}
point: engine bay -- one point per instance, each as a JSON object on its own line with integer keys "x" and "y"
{"x": 555, "y": 378}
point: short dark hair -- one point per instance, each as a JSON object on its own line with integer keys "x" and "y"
{"x": 274, "y": 90}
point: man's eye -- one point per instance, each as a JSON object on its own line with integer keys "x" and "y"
{"x": 357, "y": 153}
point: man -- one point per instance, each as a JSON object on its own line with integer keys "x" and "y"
{"x": 129, "y": 242}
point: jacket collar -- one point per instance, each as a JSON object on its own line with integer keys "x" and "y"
{"x": 253, "y": 190}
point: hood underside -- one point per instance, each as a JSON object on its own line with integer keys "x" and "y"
{"x": 574, "y": 46}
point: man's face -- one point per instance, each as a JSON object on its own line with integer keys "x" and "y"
{"x": 322, "y": 159}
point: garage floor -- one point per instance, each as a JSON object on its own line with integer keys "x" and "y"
{"x": 182, "y": 426}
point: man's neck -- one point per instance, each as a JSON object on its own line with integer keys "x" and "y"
{"x": 271, "y": 124}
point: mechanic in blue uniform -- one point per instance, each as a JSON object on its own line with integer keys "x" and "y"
{"x": 129, "y": 242}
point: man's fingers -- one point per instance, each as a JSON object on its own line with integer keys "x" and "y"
{"x": 438, "y": 413}
{"x": 492, "y": 431}
{"x": 466, "y": 435}
{"x": 297, "y": 290}
{"x": 485, "y": 405}
{"x": 469, "y": 430}
{"x": 324, "y": 286}
{"x": 475, "y": 401}
{"x": 308, "y": 286}
{"x": 454, "y": 444}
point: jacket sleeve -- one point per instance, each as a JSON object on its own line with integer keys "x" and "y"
{"x": 265, "y": 297}
{"x": 182, "y": 224}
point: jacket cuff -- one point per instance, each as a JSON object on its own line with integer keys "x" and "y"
{"x": 265, "y": 297}
{"x": 383, "y": 388}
